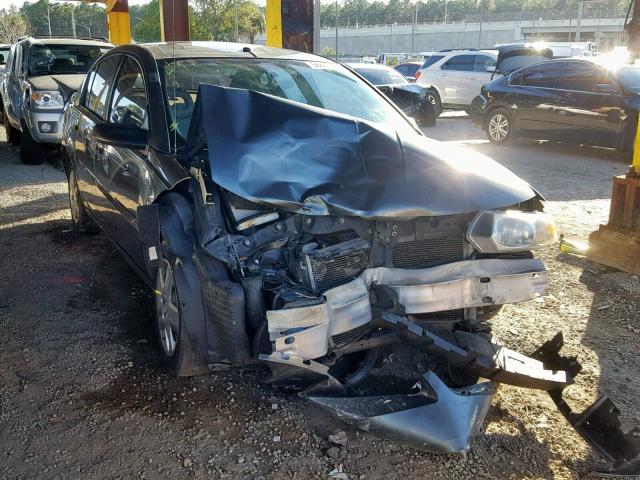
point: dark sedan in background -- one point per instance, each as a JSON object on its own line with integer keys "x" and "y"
{"x": 568, "y": 100}
{"x": 409, "y": 69}
{"x": 415, "y": 101}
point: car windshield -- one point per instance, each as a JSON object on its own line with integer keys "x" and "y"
{"x": 629, "y": 78}
{"x": 320, "y": 84}
{"x": 381, "y": 76}
{"x": 62, "y": 59}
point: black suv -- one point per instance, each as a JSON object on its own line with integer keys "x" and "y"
{"x": 285, "y": 212}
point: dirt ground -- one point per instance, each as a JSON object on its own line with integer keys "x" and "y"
{"x": 82, "y": 395}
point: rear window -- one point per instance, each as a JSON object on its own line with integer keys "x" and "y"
{"x": 431, "y": 60}
{"x": 382, "y": 76}
{"x": 460, "y": 63}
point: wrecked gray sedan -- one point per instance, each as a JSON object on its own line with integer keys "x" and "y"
{"x": 286, "y": 213}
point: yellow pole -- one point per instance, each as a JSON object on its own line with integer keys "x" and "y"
{"x": 119, "y": 22}
{"x": 635, "y": 163}
{"x": 274, "y": 23}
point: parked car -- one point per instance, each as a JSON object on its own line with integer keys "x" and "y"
{"x": 409, "y": 69}
{"x": 568, "y": 100}
{"x": 456, "y": 77}
{"x": 414, "y": 100}
{"x": 40, "y": 77}
{"x": 285, "y": 212}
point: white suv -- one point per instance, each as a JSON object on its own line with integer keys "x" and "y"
{"x": 457, "y": 76}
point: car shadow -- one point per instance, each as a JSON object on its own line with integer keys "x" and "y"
{"x": 612, "y": 333}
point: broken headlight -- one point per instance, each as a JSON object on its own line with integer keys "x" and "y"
{"x": 47, "y": 98}
{"x": 511, "y": 231}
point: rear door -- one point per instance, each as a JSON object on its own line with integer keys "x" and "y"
{"x": 483, "y": 69}
{"x": 535, "y": 96}
{"x": 592, "y": 109}
{"x": 454, "y": 78}
{"x": 93, "y": 109}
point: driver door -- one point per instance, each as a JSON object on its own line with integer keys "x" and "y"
{"x": 124, "y": 174}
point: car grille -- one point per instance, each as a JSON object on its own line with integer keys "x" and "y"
{"x": 437, "y": 249}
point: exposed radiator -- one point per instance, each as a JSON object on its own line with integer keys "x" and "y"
{"x": 337, "y": 264}
{"x": 440, "y": 248}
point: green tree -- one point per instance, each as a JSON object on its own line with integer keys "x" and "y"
{"x": 12, "y": 25}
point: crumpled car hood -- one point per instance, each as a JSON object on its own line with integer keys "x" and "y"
{"x": 280, "y": 153}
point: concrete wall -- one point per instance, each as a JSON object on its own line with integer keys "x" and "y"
{"x": 371, "y": 40}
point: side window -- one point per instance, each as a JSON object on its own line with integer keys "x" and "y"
{"x": 483, "y": 63}
{"x": 583, "y": 77}
{"x": 403, "y": 69}
{"x": 98, "y": 85}
{"x": 431, "y": 60}
{"x": 460, "y": 63}
{"x": 544, "y": 75}
{"x": 129, "y": 99}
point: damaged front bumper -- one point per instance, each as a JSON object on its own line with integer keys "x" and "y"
{"x": 306, "y": 331}
{"x": 431, "y": 414}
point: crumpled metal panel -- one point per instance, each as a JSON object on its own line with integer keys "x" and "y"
{"x": 278, "y": 152}
{"x": 469, "y": 283}
{"x": 437, "y": 418}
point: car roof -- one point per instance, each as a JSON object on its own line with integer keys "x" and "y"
{"x": 411, "y": 63}
{"x": 67, "y": 41}
{"x": 168, "y": 50}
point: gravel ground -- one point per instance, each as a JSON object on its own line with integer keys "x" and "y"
{"x": 83, "y": 396}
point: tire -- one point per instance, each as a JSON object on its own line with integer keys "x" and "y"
{"x": 80, "y": 221}
{"x": 168, "y": 313}
{"x": 434, "y": 99}
{"x": 31, "y": 152}
{"x": 499, "y": 126}
{"x": 13, "y": 134}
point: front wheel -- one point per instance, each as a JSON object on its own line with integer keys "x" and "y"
{"x": 499, "y": 126}
{"x": 434, "y": 99}
{"x": 31, "y": 152}
{"x": 169, "y": 322}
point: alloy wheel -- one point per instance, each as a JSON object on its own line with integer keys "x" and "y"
{"x": 167, "y": 308}
{"x": 498, "y": 127}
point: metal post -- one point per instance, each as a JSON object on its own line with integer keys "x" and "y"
{"x": 337, "y": 56}
{"x": 480, "y": 32}
{"x": 316, "y": 27}
{"x": 73, "y": 21}
{"x": 579, "y": 21}
{"x": 413, "y": 30}
{"x": 49, "y": 19}
{"x": 446, "y": 6}
{"x": 235, "y": 21}
{"x": 174, "y": 20}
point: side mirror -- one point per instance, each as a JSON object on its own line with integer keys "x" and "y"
{"x": 491, "y": 69}
{"x": 75, "y": 99}
{"x": 123, "y": 136}
{"x": 605, "y": 88}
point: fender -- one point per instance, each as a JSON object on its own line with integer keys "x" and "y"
{"x": 176, "y": 227}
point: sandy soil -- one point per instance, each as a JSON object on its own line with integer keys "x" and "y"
{"x": 83, "y": 396}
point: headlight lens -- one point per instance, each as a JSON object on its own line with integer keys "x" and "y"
{"x": 47, "y": 98}
{"x": 511, "y": 231}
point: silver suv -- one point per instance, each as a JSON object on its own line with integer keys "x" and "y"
{"x": 41, "y": 75}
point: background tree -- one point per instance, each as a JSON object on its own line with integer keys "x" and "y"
{"x": 12, "y": 25}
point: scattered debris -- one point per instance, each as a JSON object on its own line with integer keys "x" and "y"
{"x": 339, "y": 438}
{"x": 339, "y": 473}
